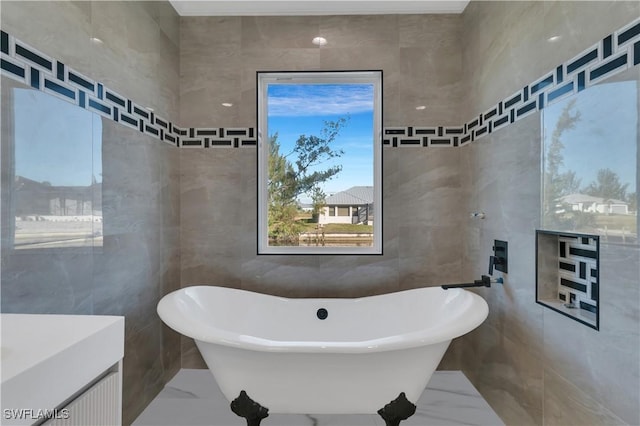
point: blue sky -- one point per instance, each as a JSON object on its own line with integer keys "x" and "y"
{"x": 55, "y": 140}
{"x": 606, "y": 135}
{"x": 296, "y": 109}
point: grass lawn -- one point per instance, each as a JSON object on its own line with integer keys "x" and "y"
{"x": 617, "y": 222}
{"x": 339, "y": 228}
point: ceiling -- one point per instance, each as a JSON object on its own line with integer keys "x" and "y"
{"x": 314, "y": 7}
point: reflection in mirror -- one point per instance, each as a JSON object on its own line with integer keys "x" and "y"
{"x": 319, "y": 162}
{"x": 56, "y": 195}
{"x": 590, "y": 166}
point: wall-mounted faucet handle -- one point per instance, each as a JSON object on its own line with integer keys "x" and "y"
{"x": 494, "y": 260}
{"x": 499, "y": 260}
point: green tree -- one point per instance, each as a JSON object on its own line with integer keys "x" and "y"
{"x": 608, "y": 186}
{"x": 288, "y": 180}
{"x": 281, "y": 191}
{"x": 311, "y": 151}
{"x": 568, "y": 183}
{"x": 318, "y": 198}
{"x": 632, "y": 199}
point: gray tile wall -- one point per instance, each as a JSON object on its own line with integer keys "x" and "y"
{"x": 533, "y": 365}
{"x": 185, "y": 217}
{"x": 140, "y": 258}
{"x": 422, "y": 64}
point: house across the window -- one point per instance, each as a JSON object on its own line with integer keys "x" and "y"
{"x": 590, "y": 204}
{"x": 354, "y": 205}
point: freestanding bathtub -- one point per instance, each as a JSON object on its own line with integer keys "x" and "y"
{"x": 319, "y": 356}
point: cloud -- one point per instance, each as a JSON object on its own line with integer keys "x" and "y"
{"x": 327, "y": 99}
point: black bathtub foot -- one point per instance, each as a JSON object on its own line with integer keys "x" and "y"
{"x": 253, "y": 412}
{"x": 397, "y": 410}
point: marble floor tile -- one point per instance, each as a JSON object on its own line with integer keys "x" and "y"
{"x": 192, "y": 398}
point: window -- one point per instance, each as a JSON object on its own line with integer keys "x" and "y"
{"x": 319, "y": 152}
{"x": 343, "y": 211}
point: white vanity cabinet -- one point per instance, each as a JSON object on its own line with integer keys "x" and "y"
{"x": 100, "y": 404}
{"x": 61, "y": 369}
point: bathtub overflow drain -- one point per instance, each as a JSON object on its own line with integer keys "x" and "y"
{"x": 322, "y": 313}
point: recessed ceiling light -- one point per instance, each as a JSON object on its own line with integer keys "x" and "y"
{"x": 227, "y": 104}
{"x": 95, "y": 40}
{"x": 319, "y": 41}
{"x": 554, "y": 38}
{"x": 421, "y": 107}
{"x": 150, "y": 109}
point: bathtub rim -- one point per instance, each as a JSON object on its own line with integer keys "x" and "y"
{"x": 475, "y": 312}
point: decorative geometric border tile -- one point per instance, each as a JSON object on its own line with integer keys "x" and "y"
{"x": 31, "y": 67}
{"x": 219, "y": 138}
{"x": 578, "y": 271}
{"x": 568, "y": 276}
{"x": 422, "y": 136}
{"x": 615, "y": 53}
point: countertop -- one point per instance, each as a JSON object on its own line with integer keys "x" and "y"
{"x": 46, "y": 359}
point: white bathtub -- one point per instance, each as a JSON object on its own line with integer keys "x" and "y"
{"x": 363, "y": 355}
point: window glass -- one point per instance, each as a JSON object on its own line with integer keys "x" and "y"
{"x": 319, "y": 152}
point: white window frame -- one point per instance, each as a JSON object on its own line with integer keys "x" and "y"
{"x": 264, "y": 79}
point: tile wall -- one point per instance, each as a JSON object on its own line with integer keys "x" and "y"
{"x": 183, "y": 217}
{"x": 137, "y": 260}
{"x": 532, "y": 364}
{"x": 567, "y": 274}
{"x": 421, "y": 60}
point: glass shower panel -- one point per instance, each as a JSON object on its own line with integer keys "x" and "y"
{"x": 590, "y": 161}
{"x": 54, "y": 187}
